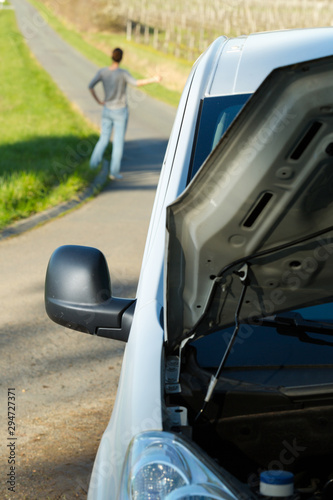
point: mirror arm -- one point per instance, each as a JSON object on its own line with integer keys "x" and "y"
{"x": 123, "y": 332}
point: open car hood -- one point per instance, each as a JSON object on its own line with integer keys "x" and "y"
{"x": 259, "y": 212}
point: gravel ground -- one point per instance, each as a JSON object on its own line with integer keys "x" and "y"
{"x": 64, "y": 381}
{"x": 56, "y": 452}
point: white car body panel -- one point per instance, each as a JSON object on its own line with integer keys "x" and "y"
{"x": 222, "y": 70}
{"x": 246, "y": 61}
{"x": 138, "y": 404}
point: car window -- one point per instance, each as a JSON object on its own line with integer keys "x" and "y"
{"x": 215, "y": 116}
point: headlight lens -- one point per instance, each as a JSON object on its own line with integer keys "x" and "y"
{"x": 155, "y": 480}
{"x": 162, "y": 466}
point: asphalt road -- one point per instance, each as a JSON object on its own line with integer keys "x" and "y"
{"x": 53, "y": 369}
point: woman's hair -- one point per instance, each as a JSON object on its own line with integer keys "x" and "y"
{"x": 117, "y": 55}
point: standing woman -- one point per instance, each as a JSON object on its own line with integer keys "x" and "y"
{"x": 115, "y": 110}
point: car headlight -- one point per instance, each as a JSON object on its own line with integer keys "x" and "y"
{"x": 163, "y": 466}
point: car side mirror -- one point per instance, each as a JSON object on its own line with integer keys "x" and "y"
{"x": 78, "y": 294}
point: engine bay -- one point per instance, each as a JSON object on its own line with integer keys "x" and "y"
{"x": 250, "y": 427}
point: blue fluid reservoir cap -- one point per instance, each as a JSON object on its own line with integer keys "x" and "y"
{"x": 277, "y": 483}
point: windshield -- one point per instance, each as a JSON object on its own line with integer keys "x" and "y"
{"x": 275, "y": 354}
{"x": 215, "y": 116}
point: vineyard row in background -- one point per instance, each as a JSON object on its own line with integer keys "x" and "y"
{"x": 186, "y": 28}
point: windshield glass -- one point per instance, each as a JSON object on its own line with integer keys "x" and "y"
{"x": 215, "y": 116}
{"x": 269, "y": 354}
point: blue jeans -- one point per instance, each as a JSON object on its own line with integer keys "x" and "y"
{"x": 111, "y": 119}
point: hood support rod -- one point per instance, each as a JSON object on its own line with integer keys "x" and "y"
{"x": 242, "y": 273}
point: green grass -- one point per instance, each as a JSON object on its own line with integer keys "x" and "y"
{"x": 45, "y": 144}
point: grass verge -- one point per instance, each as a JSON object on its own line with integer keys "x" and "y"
{"x": 43, "y": 154}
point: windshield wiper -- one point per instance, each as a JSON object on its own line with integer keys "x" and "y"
{"x": 294, "y": 325}
{"x": 296, "y": 320}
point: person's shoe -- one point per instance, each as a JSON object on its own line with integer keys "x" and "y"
{"x": 115, "y": 177}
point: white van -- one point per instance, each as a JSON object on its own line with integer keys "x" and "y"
{"x": 226, "y": 388}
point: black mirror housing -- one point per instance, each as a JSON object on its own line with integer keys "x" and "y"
{"x": 78, "y": 294}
